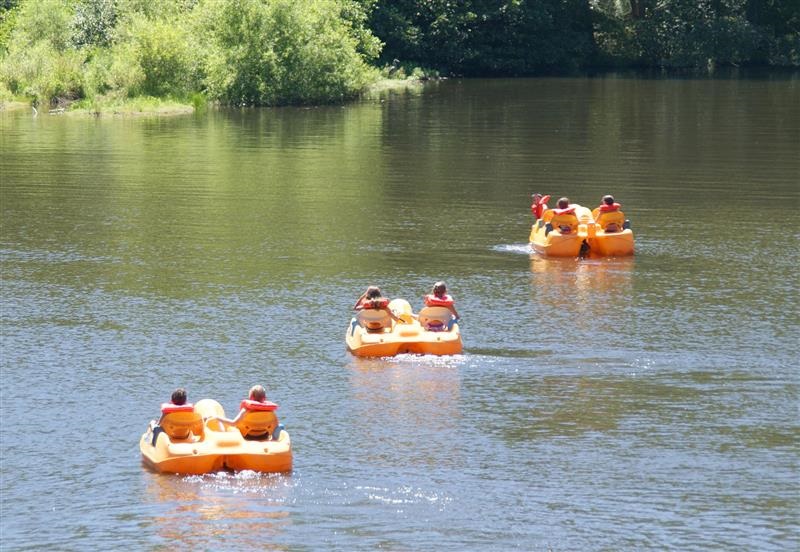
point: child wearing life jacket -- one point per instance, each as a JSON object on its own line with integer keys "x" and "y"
{"x": 177, "y": 404}
{"x": 608, "y": 215}
{"x": 539, "y": 205}
{"x": 256, "y": 402}
{"x": 562, "y": 218}
{"x": 440, "y": 298}
{"x": 373, "y": 299}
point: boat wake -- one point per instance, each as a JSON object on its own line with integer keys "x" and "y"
{"x": 517, "y": 248}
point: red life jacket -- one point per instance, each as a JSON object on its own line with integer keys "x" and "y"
{"x": 375, "y": 304}
{"x": 434, "y": 301}
{"x": 169, "y": 408}
{"x": 251, "y": 406}
{"x": 605, "y": 208}
{"x": 567, "y": 211}
{"x": 539, "y": 207}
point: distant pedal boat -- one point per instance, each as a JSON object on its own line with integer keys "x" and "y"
{"x": 550, "y": 241}
{"x": 373, "y": 333}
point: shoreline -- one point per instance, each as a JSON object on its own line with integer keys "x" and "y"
{"x": 134, "y": 107}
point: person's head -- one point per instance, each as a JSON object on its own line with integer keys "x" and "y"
{"x": 373, "y": 292}
{"x": 257, "y": 393}
{"x": 536, "y": 197}
{"x": 439, "y": 289}
{"x": 179, "y": 396}
{"x": 608, "y": 199}
{"x": 563, "y": 203}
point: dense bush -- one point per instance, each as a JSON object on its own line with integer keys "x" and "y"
{"x": 159, "y": 55}
{"x": 279, "y": 52}
{"x": 39, "y": 62}
{"x": 94, "y": 22}
{"x": 249, "y": 52}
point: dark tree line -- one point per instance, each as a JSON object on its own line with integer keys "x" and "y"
{"x": 522, "y": 37}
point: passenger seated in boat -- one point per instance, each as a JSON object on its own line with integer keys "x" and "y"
{"x": 178, "y": 419}
{"x": 562, "y": 218}
{"x": 256, "y": 419}
{"x": 434, "y": 316}
{"x": 608, "y": 215}
{"x": 538, "y": 205}
{"x": 373, "y": 308}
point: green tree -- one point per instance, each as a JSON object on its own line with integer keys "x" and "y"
{"x": 94, "y": 22}
{"x": 40, "y": 62}
{"x": 280, "y": 51}
{"x": 160, "y": 55}
{"x": 699, "y": 33}
{"x": 480, "y": 37}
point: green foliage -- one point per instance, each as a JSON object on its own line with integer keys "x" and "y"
{"x": 93, "y": 23}
{"x": 115, "y": 73}
{"x": 284, "y": 52}
{"x": 8, "y": 20}
{"x": 699, "y": 33}
{"x": 39, "y": 62}
{"x": 160, "y": 57}
{"x": 43, "y": 73}
{"x": 479, "y": 37}
{"x": 688, "y": 33}
{"x": 273, "y": 52}
{"x": 43, "y": 20}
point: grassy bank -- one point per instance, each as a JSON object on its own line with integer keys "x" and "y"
{"x": 168, "y": 107}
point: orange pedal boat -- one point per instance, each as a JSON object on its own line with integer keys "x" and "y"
{"x": 373, "y": 333}
{"x": 588, "y": 239}
{"x": 195, "y": 443}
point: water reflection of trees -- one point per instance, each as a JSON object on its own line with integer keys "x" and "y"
{"x": 221, "y": 510}
{"x": 568, "y": 406}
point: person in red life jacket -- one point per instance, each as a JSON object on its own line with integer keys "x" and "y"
{"x": 177, "y": 404}
{"x": 539, "y": 205}
{"x": 373, "y": 299}
{"x": 256, "y": 401}
{"x": 438, "y": 297}
{"x": 608, "y": 215}
{"x": 562, "y": 217}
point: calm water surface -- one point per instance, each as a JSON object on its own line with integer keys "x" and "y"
{"x": 644, "y": 403}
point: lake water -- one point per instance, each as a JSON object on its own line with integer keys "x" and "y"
{"x": 606, "y": 404}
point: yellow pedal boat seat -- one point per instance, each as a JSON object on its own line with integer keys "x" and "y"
{"x": 257, "y": 425}
{"x": 259, "y": 420}
{"x": 181, "y": 424}
{"x": 372, "y": 319}
{"x": 565, "y": 223}
{"x": 435, "y": 318}
{"x": 610, "y": 221}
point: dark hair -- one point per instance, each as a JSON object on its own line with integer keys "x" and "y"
{"x": 373, "y": 292}
{"x": 608, "y": 199}
{"x": 439, "y": 289}
{"x": 179, "y": 396}
{"x": 563, "y": 203}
